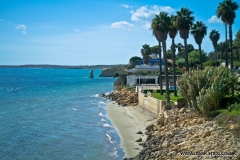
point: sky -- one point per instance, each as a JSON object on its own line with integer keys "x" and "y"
{"x": 91, "y": 32}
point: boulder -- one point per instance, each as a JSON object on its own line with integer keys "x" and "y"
{"x": 139, "y": 140}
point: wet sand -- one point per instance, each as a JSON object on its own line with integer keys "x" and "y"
{"x": 128, "y": 121}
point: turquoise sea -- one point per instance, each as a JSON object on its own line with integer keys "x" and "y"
{"x": 55, "y": 114}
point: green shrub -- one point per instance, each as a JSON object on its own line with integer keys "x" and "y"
{"x": 204, "y": 89}
{"x": 234, "y": 107}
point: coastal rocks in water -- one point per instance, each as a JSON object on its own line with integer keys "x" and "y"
{"x": 91, "y": 74}
{"x": 123, "y": 96}
{"x": 139, "y": 140}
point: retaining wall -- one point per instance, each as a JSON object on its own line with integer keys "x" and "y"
{"x": 153, "y": 105}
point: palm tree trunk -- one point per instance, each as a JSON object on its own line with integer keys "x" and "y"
{"x": 160, "y": 68}
{"x": 166, "y": 72}
{"x": 200, "y": 56}
{"x": 174, "y": 67}
{"x": 230, "y": 38}
{"x": 226, "y": 49}
{"x": 186, "y": 55}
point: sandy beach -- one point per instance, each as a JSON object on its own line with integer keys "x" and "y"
{"x": 128, "y": 121}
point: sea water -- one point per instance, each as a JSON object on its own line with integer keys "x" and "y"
{"x": 55, "y": 114}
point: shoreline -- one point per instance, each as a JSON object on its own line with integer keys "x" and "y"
{"x": 128, "y": 121}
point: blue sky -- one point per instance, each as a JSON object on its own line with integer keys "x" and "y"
{"x": 90, "y": 32}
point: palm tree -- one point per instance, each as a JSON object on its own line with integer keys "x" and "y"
{"x": 226, "y": 11}
{"x": 184, "y": 24}
{"x": 172, "y": 34}
{"x": 146, "y": 51}
{"x": 163, "y": 28}
{"x": 214, "y": 36}
{"x": 199, "y": 30}
{"x": 155, "y": 28}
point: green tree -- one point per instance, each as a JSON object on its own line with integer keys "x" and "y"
{"x": 184, "y": 24}
{"x": 163, "y": 28}
{"x": 155, "y": 51}
{"x": 199, "y": 30}
{"x": 146, "y": 51}
{"x": 155, "y": 26}
{"x": 226, "y": 11}
{"x": 134, "y": 60}
{"x": 214, "y": 36}
{"x": 194, "y": 55}
{"x": 236, "y": 46}
{"x": 172, "y": 34}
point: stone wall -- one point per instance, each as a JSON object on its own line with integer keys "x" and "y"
{"x": 153, "y": 105}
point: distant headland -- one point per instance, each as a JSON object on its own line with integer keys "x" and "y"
{"x": 61, "y": 66}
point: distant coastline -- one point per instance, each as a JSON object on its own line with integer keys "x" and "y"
{"x": 60, "y": 66}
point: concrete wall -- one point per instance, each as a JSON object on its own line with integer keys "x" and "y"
{"x": 153, "y": 105}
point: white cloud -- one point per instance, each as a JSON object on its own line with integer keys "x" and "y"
{"x": 76, "y": 30}
{"x": 23, "y": 28}
{"x": 126, "y": 6}
{"x": 145, "y": 14}
{"x": 214, "y": 19}
{"x": 122, "y": 24}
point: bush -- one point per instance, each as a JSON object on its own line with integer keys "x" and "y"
{"x": 210, "y": 63}
{"x": 204, "y": 89}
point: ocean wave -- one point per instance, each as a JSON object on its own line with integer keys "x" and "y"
{"x": 96, "y": 95}
{"x": 114, "y": 152}
{"x": 103, "y": 120}
{"x": 74, "y": 109}
{"x": 101, "y": 102}
{"x": 101, "y": 114}
{"x": 107, "y": 125}
{"x": 109, "y": 138}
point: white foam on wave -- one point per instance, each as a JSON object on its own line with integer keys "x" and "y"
{"x": 96, "y": 95}
{"x": 114, "y": 152}
{"x": 74, "y": 109}
{"x": 101, "y": 102}
{"x": 101, "y": 114}
{"x": 102, "y": 119}
{"x": 109, "y": 138}
{"x": 107, "y": 125}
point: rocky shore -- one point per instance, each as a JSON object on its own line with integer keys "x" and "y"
{"x": 181, "y": 134}
{"x": 123, "y": 96}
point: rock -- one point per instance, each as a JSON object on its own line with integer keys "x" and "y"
{"x": 166, "y": 114}
{"x": 139, "y": 140}
{"x": 160, "y": 121}
{"x": 150, "y": 127}
{"x": 166, "y": 121}
{"x": 139, "y": 132}
{"x": 171, "y": 154}
{"x": 91, "y": 74}
{"x": 208, "y": 133}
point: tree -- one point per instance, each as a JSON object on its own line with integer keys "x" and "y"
{"x": 214, "y": 36}
{"x": 184, "y": 24}
{"x": 155, "y": 28}
{"x": 134, "y": 60}
{"x": 226, "y": 11}
{"x": 199, "y": 30}
{"x": 163, "y": 28}
{"x": 236, "y": 46}
{"x": 146, "y": 51}
{"x": 172, "y": 34}
{"x": 155, "y": 51}
{"x": 194, "y": 55}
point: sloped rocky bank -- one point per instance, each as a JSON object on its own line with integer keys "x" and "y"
{"x": 123, "y": 96}
{"x": 180, "y": 134}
